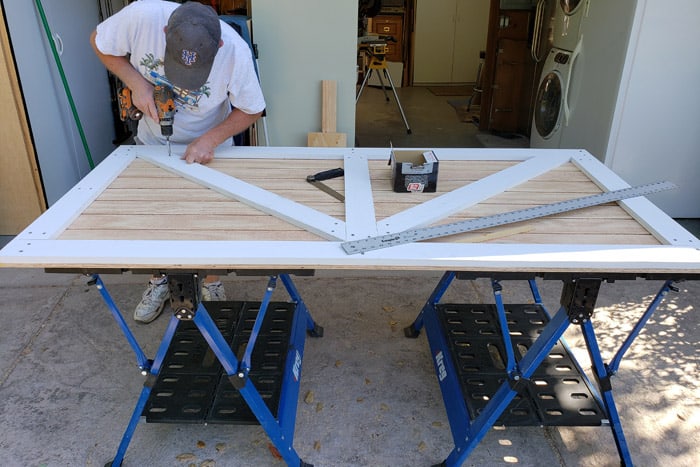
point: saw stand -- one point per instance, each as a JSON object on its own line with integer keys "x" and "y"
{"x": 223, "y": 362}
{"x": 507, "y": 364}
{"x": 377, "y": 62}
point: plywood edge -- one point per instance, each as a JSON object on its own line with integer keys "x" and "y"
{"x": 638, "y": 259}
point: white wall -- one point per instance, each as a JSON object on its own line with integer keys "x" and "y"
{"x": 301, "y": 43}
{"x": 656, "y": 132}
{"x": 596, "y": 75}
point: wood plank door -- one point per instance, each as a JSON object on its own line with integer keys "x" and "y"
{"x": 507, "y": 85}
{"x": 21, "y": 196}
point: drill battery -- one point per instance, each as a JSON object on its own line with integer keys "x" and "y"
{"x": 127, "y": 109}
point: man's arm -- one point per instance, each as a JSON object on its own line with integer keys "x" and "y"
{"x": 202, "y": 149}
{"x": 141, "y": 89}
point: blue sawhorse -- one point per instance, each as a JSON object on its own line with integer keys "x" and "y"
{"x": 187, "y": 307}
{"x": 469, "y": 423}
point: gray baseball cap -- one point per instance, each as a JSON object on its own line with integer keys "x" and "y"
{"x": 192, "y": 40}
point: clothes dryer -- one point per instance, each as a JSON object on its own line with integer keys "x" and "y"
{"x": 567, "y": 23}
{"x": 552, "y": 109}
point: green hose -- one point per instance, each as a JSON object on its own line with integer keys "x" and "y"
{"x": 65, "y": 83}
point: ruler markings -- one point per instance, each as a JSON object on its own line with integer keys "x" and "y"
{"x": 416, "y": 235}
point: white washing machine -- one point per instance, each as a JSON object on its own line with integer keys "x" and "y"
{"x": 552, "y": 104}
{"x": 567, "y": 23}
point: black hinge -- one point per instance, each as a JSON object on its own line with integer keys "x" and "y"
{"x": 184, "y": 295}
{"x": 578, "y": 297}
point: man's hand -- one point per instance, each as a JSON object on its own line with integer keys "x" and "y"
{"x": 142, "y": 97}
{"x": 200, "y": 150}
{"x": 141, "y": 88}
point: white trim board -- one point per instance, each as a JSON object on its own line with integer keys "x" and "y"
{"x": 39, "y": 246}
{"x": 122, "y": 254}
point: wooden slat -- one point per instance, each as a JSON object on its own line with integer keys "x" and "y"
{"x": 153, "y": 197}
{"x": 600, "y": 213}
{"x": 184, "y": 235}
{"x": 548, "y": 238}
{"x": 166, "y": 222}
{"x": 556, "y": 227}
{"x": 261, "y": 166}
{"x": 190, "y": 208}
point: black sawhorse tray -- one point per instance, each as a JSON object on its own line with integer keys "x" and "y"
{"x": 192, "y": 386}
{"x": 558, "y": 393}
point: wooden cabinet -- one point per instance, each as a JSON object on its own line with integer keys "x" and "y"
{"x": 508, "y": 72}
{"x": 506, "y": 89}
{"x": 391, "y": 25}
{"x": 230, "y": 7}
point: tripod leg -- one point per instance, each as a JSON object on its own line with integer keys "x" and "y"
{"x": 362, "y": 86}
{"x": 381, "y": 81}
{"x": 398, "y": 102}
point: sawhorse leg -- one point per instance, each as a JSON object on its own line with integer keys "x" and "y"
{"x": 604, "y": 372}
{"x": 188, "y": 307}
{"x": 605, "y": 386}
{"x": 414, "y": 329}
{"x": 151, "y": 378}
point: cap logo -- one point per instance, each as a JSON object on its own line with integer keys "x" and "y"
{"x": 189, "y": 57}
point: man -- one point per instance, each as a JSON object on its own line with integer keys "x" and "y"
{"x": 210, "y": 69}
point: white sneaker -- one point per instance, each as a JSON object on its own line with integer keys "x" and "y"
{"x": 213, "y": 292}
{"x": 152, "y": 303}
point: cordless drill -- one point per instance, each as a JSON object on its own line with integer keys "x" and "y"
{"x": 165, "y": 104}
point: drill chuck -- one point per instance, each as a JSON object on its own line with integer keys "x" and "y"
{"x": 166, "y": 129}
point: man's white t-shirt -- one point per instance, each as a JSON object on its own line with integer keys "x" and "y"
{"x": 137, "y": 30}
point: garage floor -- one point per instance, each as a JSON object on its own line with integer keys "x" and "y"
{"x": 434, "y": 120}
{"x": 369, "y": 397}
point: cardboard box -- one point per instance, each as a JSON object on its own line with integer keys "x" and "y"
{"x": 414, "y": 171}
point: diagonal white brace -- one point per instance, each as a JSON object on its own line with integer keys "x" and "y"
{"x": 415, "y": 235}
